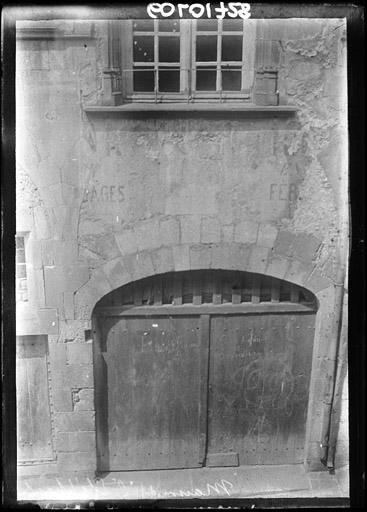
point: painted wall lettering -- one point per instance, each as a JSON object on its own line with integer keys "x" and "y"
{"x": 105, "y": 193}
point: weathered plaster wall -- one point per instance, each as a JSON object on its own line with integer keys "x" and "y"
{"x": 107, "y": 200}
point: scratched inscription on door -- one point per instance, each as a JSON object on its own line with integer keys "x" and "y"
{"x": 259, "y": 375}
{"x": 153, "y": 401}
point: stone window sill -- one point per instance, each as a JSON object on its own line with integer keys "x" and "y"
{"x": 202, "y": 108}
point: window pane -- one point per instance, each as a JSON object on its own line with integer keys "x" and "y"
{"x": 143, "y": 25}
{"x": 143, "y": 80}
{"x": 207, "y": 25}
{"x": 231, "y": 80}
{"x": 206, "y": 79}
{"x": 169, "y": 80}
{"x": 169, "y": 26}
{"x": 21, "y": 271}
{"x": 143, "y": 48}
{"x": 232, "y": 48}
{"x": 22, "y": 284}
{"x": 20, "y": 254}
{"x": 232, "y": 24}
{"x": 169, "y": 49}
{"x": 206, "y": 48}
{"x": 19, "y": 242}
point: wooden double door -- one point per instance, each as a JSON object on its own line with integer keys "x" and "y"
{"x": 190, "y": 386}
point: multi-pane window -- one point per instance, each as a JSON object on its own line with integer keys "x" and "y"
{"x": 21, "y": 270}
{"x": 156, "y": 56}
{"x": 219, "y": 63}
{"x": 184, "y": 59}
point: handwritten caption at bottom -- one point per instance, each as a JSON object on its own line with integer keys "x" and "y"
{"x": 88, "y": 489}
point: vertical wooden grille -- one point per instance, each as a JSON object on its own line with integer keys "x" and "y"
{"x": 265, "y": 289}
{"x": 207, "y": 287}
{"x": 284, "y": 292}
{"x": 187, "y": 294}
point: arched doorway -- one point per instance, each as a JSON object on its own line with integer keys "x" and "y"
{"x": 202, "y": 368}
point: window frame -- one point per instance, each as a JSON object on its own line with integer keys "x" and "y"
{"x": 187, "y": 65}
{"x": 22, "y": 292}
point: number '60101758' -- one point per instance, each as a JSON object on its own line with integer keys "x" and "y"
{"x": 232, "y": 10}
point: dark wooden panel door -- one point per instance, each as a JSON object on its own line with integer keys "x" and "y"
{"x": 259, "y": 375}
{"x": 149, "y": 393}
{"x": 33, "y": 404}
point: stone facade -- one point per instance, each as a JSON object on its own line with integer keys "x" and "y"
{"x": 105, "y": 199}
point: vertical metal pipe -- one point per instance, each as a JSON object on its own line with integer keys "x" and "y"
{"x": 333, "y": 358}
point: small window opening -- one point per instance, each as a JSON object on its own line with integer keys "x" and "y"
{"x": 21, "y": 270}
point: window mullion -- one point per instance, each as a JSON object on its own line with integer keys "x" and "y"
{"x": 193, "y": 58}
{"x": 244, "y": 63}
{"x": 185, "y": 56}
{"x": 156, "y": 58}
{"x": 219, "y": 57}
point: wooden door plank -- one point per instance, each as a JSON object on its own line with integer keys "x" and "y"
{"x": 260, "y": 367}
{"x": 33, "y": 402}
{"x": 152, "y": 393}
{"x": 100, "y": 371}
{"x": 204, "y": 379}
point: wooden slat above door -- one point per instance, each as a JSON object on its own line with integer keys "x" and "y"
{"x": 209, "y": 287}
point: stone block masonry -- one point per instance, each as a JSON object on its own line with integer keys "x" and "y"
{"x": 108, "y": 199}
{"x": 246, "y": 232}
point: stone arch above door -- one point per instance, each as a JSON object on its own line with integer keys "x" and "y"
{"x": 242, "y": 257}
